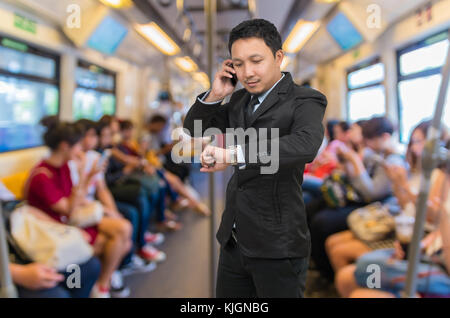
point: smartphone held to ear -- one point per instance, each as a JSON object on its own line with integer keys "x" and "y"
{"x": 234, "y": 79}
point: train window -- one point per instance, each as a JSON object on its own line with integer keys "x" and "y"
{"x": 366, "y": 96}
{"x": 419, "y": 78}
{"x": 29, "y": 90}
{"x": 95, "y": 92}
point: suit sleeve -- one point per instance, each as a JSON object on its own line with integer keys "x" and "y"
{"x": 206, "y": 116}
{"x": 300, "y": 146}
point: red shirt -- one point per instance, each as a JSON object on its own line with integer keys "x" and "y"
{"x": 46, "y": 186}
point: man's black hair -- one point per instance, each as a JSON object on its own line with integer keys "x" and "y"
{"x": 376, "y": 127}
{"x": 258, "y": 28}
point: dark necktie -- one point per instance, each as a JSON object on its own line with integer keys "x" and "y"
{"x": 250, "y": 109}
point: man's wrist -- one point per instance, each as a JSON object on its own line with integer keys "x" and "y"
{"x": 212, "y": 98}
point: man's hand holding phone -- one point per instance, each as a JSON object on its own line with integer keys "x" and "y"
{"x": 223, "y": 84}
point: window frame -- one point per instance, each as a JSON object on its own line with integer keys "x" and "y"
{"x": 430, "y": 72}
{"x": 358, "y": 67}
{"x": 56, "y": 81}
{"x": 86, "y": 65}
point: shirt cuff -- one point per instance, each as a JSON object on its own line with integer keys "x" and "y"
{"x": 202, "y": 100}
{"x": 240, "y": 157}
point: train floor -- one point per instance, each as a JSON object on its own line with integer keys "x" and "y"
{"x": 186, "y": 271}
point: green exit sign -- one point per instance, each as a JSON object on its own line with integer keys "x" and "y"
{"x": 24, "y": 23}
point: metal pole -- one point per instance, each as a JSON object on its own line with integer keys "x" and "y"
{"x": 210, "y": 15}
{"x": 429, "y": 162}
{"x": 7, "y": 288}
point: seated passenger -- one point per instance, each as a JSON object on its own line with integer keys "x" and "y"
{"x": 50, "y": 189}
{"x": 433, "y": 272}
{"x": 35, "y": 280}
{"x": 366, "y": 176}
{"x": 343, "y": 248}
{"x": 139, "y": 218}
{"x": 132, "y": 180}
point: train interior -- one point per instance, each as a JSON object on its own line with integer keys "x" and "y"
{"x": 137, "y": 66}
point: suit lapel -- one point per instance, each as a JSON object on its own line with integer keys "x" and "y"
{"x": 272, "y": 98}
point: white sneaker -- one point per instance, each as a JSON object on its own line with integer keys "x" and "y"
{"x": 138, "y": 265}
{"x": 97, "y": 293}
{"x": 118, "y": 288}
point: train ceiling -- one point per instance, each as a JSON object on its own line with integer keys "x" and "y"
{"x": 174, "y": 21}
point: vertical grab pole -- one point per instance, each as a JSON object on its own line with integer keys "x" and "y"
{"x": 429, "y": 162}
{"x": 7, "y": 288}
{"x": 210, "y": 15}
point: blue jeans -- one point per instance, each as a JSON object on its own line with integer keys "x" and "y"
{"x": 431, "y": 278}
{"x": 89, "y": 273}
{"x": 138, "y": 213}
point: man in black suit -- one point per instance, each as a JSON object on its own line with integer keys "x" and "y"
{"x": 264, "y": 238}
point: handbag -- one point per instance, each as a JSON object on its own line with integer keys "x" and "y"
{"x": 338, "y": 192}
{"x": 371, "y": 223}
{"x": 48, "y": 242}
{"x": 88, "y": 215}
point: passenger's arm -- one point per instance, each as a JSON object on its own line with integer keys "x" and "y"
{"x": 125, "y": 159}
{"x": 445, "y": 224}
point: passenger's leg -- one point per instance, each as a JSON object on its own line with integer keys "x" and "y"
{"x": 112, "y": 244}
{"x": 338, "y": 238}
{"x": 346, "y": 253}
{"x": 55, "y": 292}
{"x": 370, "y": 293}
{"x": 324, "y": 224}
{"x": 130, "y": 213}
{"x": 345, "y": 281}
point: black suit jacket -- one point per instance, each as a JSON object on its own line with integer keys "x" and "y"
{"x": 268, "y": 209}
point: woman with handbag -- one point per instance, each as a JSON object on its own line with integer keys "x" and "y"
{"x": 343, "y": 248}
{"x": 434, "y": 268}
{"x": 367, "y": 182}
{"x": 50, "y": 189}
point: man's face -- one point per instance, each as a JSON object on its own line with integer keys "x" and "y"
{"x": 256, "y": 67}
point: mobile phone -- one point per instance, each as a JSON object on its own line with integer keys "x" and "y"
{"x": 234, "y": 79}
{"x": 105, "y": 156}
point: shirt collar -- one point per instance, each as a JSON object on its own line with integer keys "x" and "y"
{"x": 263, "y": 96}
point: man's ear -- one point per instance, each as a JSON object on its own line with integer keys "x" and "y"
{"x": 279, "y": 55}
